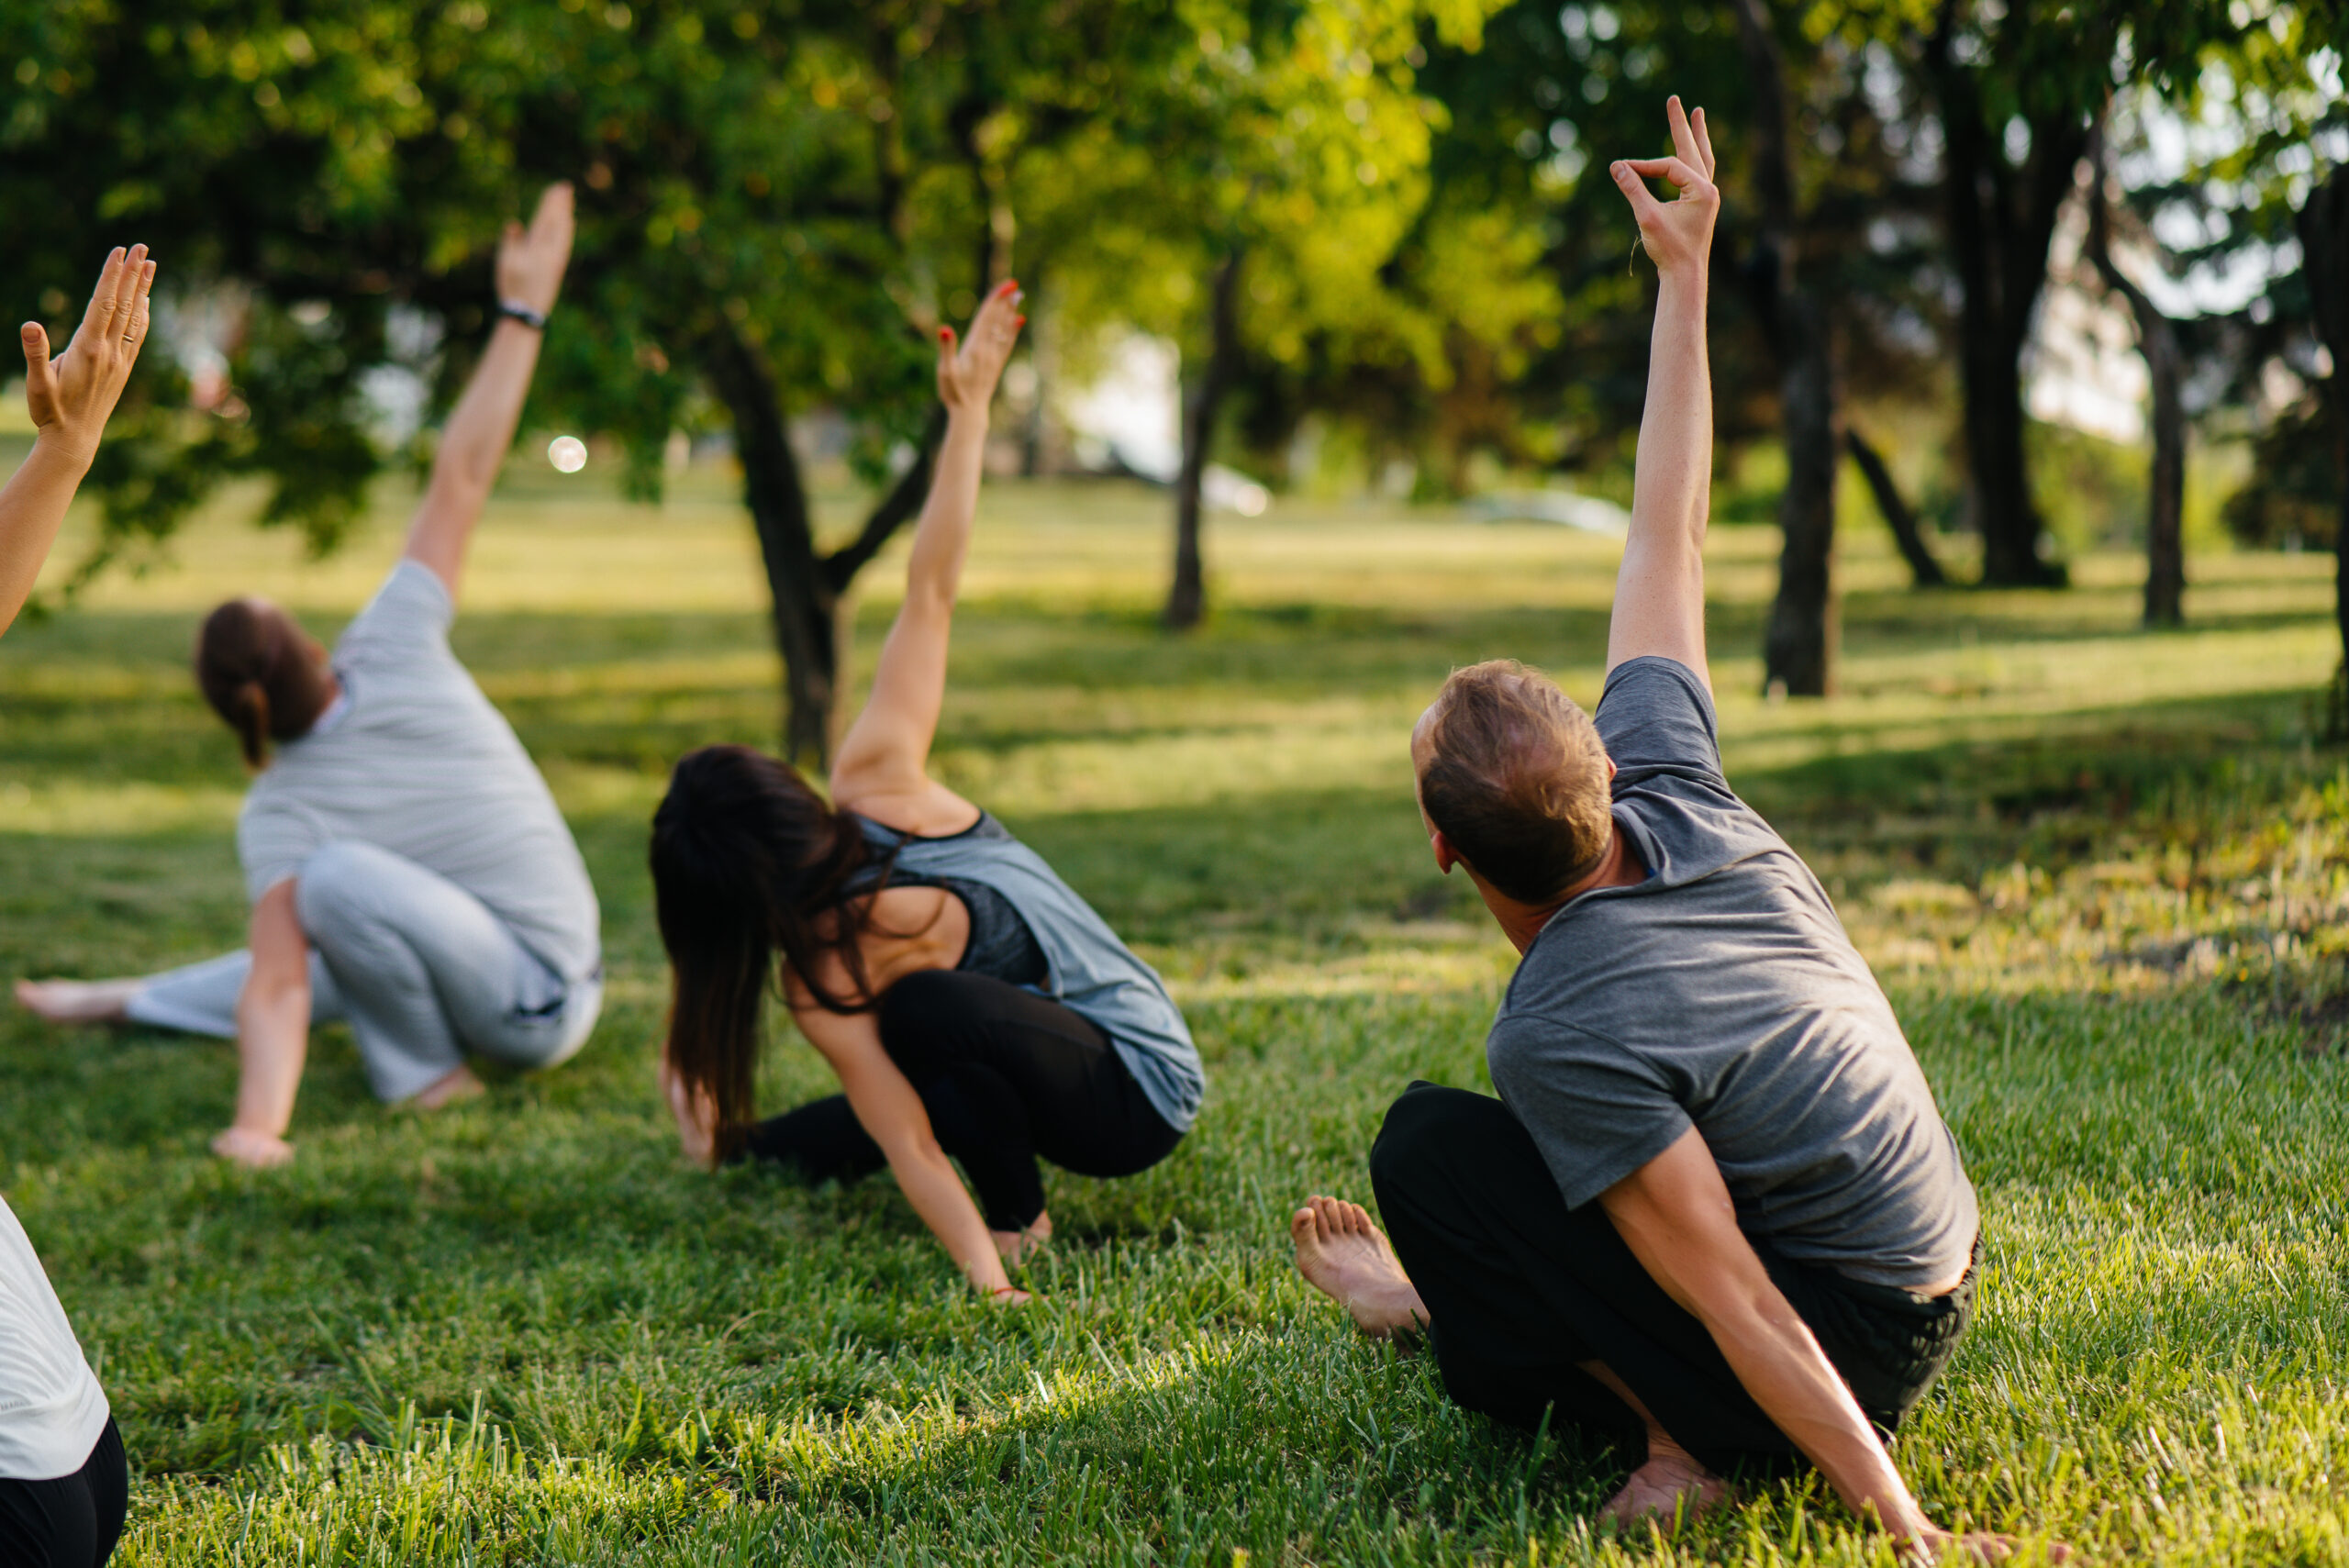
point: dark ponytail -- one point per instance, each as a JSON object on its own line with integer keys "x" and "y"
{"x": 255, "y": 667}
{"x": 750, "y": 864}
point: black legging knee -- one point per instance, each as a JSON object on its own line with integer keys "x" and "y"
{"x": 1007, "y": 1076}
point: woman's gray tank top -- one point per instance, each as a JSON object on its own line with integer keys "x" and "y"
{"x": 1000, "y": 945}
{"x": 1089, "y": 969}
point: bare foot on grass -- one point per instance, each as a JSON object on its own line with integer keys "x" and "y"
{"x": 1017, "y": 1246}
{"x": 259, "y": 1150}
{"x": 460, "y": 1084}
{"x": 1672, "y": 1488}
{"x": 1346, "y": 1258}
{"x": 77, "y": 1001}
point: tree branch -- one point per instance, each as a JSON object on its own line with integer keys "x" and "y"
{"x": 904, "y": 499}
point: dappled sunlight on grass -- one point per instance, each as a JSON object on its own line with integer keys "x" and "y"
{"x": 2100, "y": 872}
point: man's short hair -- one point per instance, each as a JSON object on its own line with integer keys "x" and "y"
{"x": 1516, "y": 780}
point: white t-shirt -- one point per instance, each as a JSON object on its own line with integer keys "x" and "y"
{"x": 51, "y": 1408}
{"x": 419, "y": 763}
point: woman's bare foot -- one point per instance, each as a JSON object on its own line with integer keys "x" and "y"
{"x": 1346, "y": 1258}
{"x": 1019, "y": 1246}
{"x": 448, "y": 1089}
{"x": 1672, "y": 1487}
{"x": 257, "y": 1149}
{"x": 78, "y": 1001}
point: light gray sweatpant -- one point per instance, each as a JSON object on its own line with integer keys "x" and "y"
{"x": 418, "y": 967}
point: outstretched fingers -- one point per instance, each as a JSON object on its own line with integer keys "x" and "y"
{"x": 968, "y": 369}
{"x": 141, "y": 312}
{"x": 97, "y": 318}
{"x": 998, "y": 320}
{"x": 127, "y": 290}
{"x": 1704, "y": 141}
{"x": 553, "y": 216}
{"x": 1684, "y": 136}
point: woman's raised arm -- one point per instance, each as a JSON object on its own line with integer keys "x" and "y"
{"x": 480, "y": 430}
{"x": 886, "y": 751}
{"x": 70, "y": 398}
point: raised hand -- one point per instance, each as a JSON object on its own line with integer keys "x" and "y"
{"x": 71, "y": 396}
{"x": 531, "y": 261}
{"x": 1676, "y": 235}
{"x": 967, "y": 372}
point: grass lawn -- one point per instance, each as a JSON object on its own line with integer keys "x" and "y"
{"x": 2101, "y": 872}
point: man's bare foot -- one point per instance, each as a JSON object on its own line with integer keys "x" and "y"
{"x": 78, "y": 1001}
{"x": 448, "y": 1089}
{"x": 1672, "y": 1487}
{"x": 1019, "y": 1246}
{"x": 1346, "y": 1258}
{"x": 257, "y": 1149}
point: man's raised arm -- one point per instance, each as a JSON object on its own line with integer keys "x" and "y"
{"x": 1660, "y": 589}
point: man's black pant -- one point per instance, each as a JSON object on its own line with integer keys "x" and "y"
{"x": 73, "y": 1520}
{"x": 1006, "y": 1075}
{"x": 1520, "y": 1288}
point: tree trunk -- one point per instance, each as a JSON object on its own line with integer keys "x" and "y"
{"x": 1924, "y": 571}
{"x": 2323, "y": 225}
{"x": 2001, "y": 221}
{"x": 1186, "y": 598}
{"x": 1798, "y": 645}
{"x": 800, "y": 594}
{"x": 2157, "y": 341}
{"x": 805, "y": 590}
{"x": 1801, "y": 646}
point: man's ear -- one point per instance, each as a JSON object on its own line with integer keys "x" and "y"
{"x": 1446, "y": 857}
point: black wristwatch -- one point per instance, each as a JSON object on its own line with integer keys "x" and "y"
{"x": 523, "y": 314}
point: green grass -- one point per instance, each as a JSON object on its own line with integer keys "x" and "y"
{"x": 2100, "y": 871}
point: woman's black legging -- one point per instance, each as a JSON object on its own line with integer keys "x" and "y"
{"x": 73, "y": 1520}
{"x": 1007, "y": 1076}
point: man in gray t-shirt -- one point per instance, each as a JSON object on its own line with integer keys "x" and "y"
{"x": 1714, "y": 1213}
{"x": 1719, "y": 991}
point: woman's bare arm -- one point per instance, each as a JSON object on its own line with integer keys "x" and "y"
{"x": 70, "y": 398}
{"x": 272, "y": 1033}
{"x": 480, "y": 430}
{"x": 888, "y": 1108}
{"x": 886, "y": 751}
{"x": 697, "y": 1115}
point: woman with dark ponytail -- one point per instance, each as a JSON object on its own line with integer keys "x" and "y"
{"x": 971, "y": 1003}
{"x": 408, "y": 869}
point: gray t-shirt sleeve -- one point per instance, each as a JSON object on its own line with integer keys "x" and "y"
{"x": 1657, "y": 718}
{"x": 1596, "y": 1111}
{"x": 409, "y": 617}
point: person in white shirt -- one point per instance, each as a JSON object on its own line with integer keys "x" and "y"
{"x": 64, "y": 1480}
{"x": 409, "y": 867}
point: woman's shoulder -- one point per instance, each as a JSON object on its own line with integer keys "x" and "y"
{"x": 934, "y": 813}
